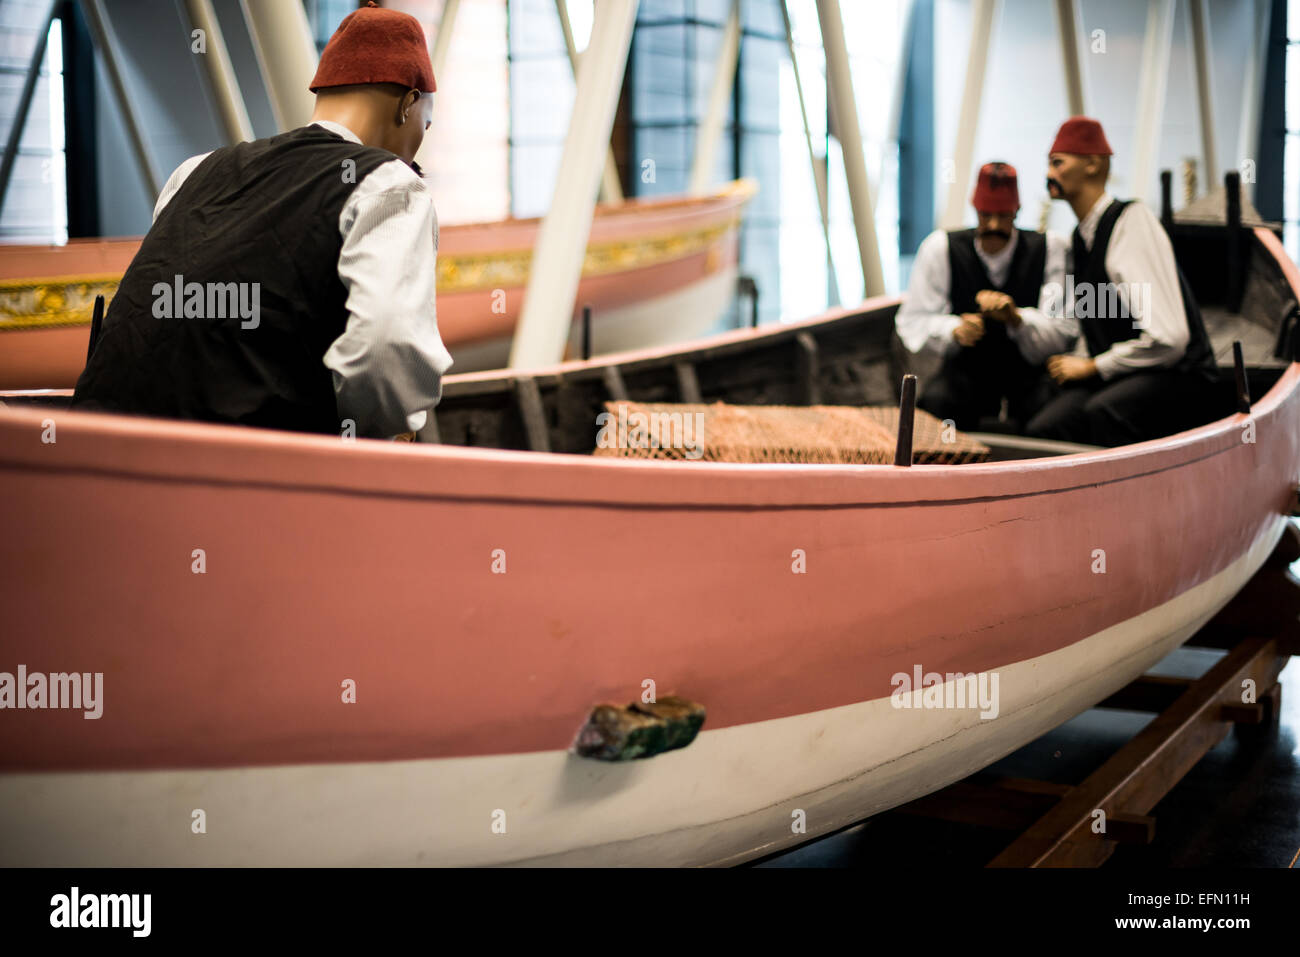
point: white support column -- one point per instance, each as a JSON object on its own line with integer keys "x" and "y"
{"x": 221, "y": 74}
{"x": 715, "y": 115}
{"x": 442, "y": 40}
{"x": 286, "y": 55}
{"x": 900, "y": 72}
{"x": 1070, "y": 27}
{"x": 1199, "y": 23}
{"x": 981, "y": 32}
{"x": 844, "y": 110}
{"x": 1156, "y": 46}
{"x": 106, "y": 44}
{"x": 1253, "y": 88}
{"x": 561, "y": 245}
{"x": 611, "y": 190}
{"x": 892, "y": 131}
{"x": 818, "y": 166}
{"x": 438, "y": 57}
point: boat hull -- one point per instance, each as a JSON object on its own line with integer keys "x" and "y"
{"x": 693, "y": 296}
{"x": 221, "y": 689}
{"x": 360, "y": 652}
{"x": 734, "y": 794}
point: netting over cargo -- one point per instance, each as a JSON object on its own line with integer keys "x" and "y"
{"x": 817, "y": 434}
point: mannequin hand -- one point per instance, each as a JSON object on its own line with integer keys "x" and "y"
{"x": 1070, "y": 368}
{"x": 971, "y": 329}
{"x": 999, "y": 306}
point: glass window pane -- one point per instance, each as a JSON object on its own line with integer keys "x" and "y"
{"x": 36, "y": 203}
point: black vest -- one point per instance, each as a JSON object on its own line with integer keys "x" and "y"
{"x": 259, "y": 220}
{"x": 1024, "y": 281}
{"x": 1102, "y": 330}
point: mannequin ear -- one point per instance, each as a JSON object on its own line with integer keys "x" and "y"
{"x": 406, "y": 104}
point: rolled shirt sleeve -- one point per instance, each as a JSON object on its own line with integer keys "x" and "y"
{"x": 1140, "y": 259}
{"x": 1050, "y": 328}
{"x": 389, "y": 362}
{"x": 925, "y": 319}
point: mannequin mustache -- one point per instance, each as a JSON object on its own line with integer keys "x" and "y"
{"x": 1000, "y": 233}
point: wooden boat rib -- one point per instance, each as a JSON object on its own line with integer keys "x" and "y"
{"x": 656, "y": 271}
{"x": 381, "y": 564}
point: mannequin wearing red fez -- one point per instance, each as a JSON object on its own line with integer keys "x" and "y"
{"x": 327, "y": 233}
{"x": 975, "y": 298}
{"x": 1148, "y": 363}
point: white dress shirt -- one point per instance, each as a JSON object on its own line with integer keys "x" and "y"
{"x": 1140, "y": 252}
{"x": 925, "y": 320}
{"x": 389, "y": 362}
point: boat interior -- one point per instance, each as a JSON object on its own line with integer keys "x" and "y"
{"x": 853, "y": 358}
{"x": 856, "y": 359}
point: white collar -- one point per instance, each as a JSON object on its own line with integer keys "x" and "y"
{"x": 992, "y": 260}
{"x": 339, "y": 129}
{"x": 1088, "y": 225}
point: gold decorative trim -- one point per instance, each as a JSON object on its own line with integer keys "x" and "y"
{"x": 62, "y": 301}
{"x": 70, "y": 300}
{"x": 509, "y": 270}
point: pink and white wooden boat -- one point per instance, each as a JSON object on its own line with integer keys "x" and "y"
{"x": 483, "y": 599}
{"x": 657, "y": 271}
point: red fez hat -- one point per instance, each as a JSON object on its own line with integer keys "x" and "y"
{"x": 1082, "y": 135}
{"x": 995, "y": 190}
{"x": 374, "y": 45}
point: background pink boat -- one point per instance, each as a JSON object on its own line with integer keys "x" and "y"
{"x": 656, "y": 271}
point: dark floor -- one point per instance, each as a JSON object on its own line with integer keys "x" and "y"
{"x": 1239, "y": 807}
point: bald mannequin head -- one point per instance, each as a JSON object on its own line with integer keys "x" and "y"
{"x": 383, "y": 115}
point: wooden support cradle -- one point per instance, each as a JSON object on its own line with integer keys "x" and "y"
{"x": 1058, "y": 822}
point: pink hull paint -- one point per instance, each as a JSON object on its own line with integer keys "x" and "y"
{"x": 78, "y": 257}
{"x": 53, "y": 357}
{"x": 373, "y": 562}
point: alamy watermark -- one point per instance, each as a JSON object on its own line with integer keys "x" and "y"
{"x": 952, "y": 690}
{"x": 1099, "y": 300}
{"x": 75, "y": 909}
{"x": 679, "y": 431}
{"x": 58, "y": 690}
{"x": 214, "y": 300}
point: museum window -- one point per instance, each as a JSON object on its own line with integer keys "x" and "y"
{"x": 674, "y": 48}
{"x": 35, "y": 195}
{"x": 542, "y": 91}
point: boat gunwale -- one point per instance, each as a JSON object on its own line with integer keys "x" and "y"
{"x": 470, "y": 383}
{"x": 500, "y": 476}
{"x": 728, "y": 196}
{"x": 550, "y": 480}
